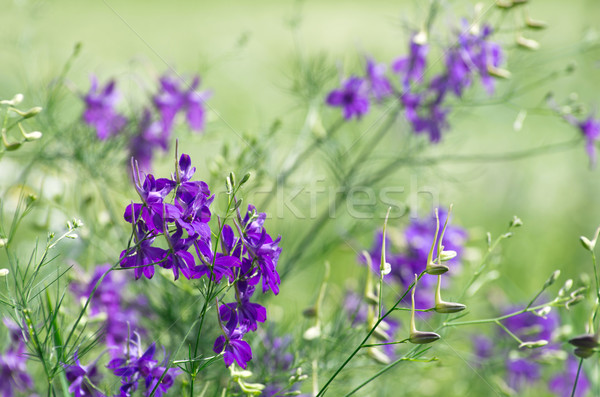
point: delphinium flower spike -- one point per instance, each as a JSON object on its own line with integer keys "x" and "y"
{"x": 419, "y": 337}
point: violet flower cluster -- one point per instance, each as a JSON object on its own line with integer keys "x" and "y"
{"x": 120, "y": 314}
{"x": 590, "y": 130}
{"x": 472, "y": 56}
{"x": 524, "y": 367}
{"x": 136, "y": 366}
{"x": 157, "y": 120}
{"x": 13, "y": 363}
{"x": 248, "y": 258}
{"x": 276, "y": 365}
{"x": 411, "y": 259}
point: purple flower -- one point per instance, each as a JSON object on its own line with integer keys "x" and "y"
{"x": 143, "y": 257}
{"x": 82, "y": 378}
{"x": 179, "y": 259}
{"x": 521, "y": 371}
{"x": 13, "y": 371}
{"x": 262, "y": 248}
{"x": 150, "y": 136}
{"x": 214, "y": 267}
{"x": 562, "y": 383}
{"x": 352, "y": 97}
{"x": 235, "y": 348}
{"x": 528, "y": 327}
{"x": 590, "y": 128}
{"x": 132, "y": 366}
{"x": 172, "y": 99}
{"x": 412, "y": 67}
{"x": 474, "y": 54}
{"x": 246, "y": 312}
{"x": 379, "y": 85}
{"x": 100, "y": 109}
{"x": 483, "y": 347}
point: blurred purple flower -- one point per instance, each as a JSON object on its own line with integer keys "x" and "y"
{"x": 352, "y": 97}
{"x": 100, "y": 109}
{"x": 520, "y": 372}
{"x": 562, "y": 383}
{"x": 590, "y": 128}
{"x": 379, "y": 85}
{"x": 82, "y": 378}
{"x": 172, "y": 99}
{"x": 13, "y": 371}
{"x": 483, "y": 346}
{"x": 529, "y": 327}
{"x": 412, "y": 67}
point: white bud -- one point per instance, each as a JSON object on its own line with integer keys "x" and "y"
{"x": 587, "y": 244}
{"x": 534, "y": 344}
{"x": 530, "y": 44}
{"x": 518, "y": 125}
{"x": 378, "y": 355}
{"x": 3, "y": 272}
{"x": 312, "y": 333}
{"x": 3, "y": 242}
{"x": 387, "y": 268}
{"x": 32, "y": 136}
{"x": 448, "y": 255}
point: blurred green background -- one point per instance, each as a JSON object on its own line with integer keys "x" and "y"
{"x": 247, "y": 54}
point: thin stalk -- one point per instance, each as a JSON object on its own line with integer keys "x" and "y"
{"x": 577, "y": 377}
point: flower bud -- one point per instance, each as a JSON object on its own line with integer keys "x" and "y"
{"x": 387, "y": 268}
{"x": 3, "y": 242}
{"x": 530, "y": 44}
{"x": 371, "y": 298}
{"x": 435, "y": 270}
{"x": 380, "y": 334}
{"x": 3, "y": 272}
{"x": 552, "y": 279}
{"x": 245, "y": 178}
{"x": 449, "y": 307}
{"x": 312, "y": 333}
{"x": 504, "y": 3}
{"x": 535, "y": 23}
{"x": 587, "y": 244}
{"x": 583, "y": 352}
{"x": 516, "y": 222}
{"x": 499, "y": 72}
{"x": 420, "y": 38}
{"x": 534, "y": 344}
{"x": 585, "y": 341}
{"x": 254, "y": 389}
{"x": 14, "y": 101}
{"x": 422, "y": 337}
{"x": 28, "y": 113}
{"x": 378, "y": 355}
{"x": 448, "y": 255}
{"x": 566, "y": 287}
{"x": 309, "y": 312}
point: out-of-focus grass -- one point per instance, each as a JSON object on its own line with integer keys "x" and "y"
{"x": 244, "y": 52}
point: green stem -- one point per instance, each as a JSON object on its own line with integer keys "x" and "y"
{"x": 515, "y": 337}
{"x": 577, "y": 377}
